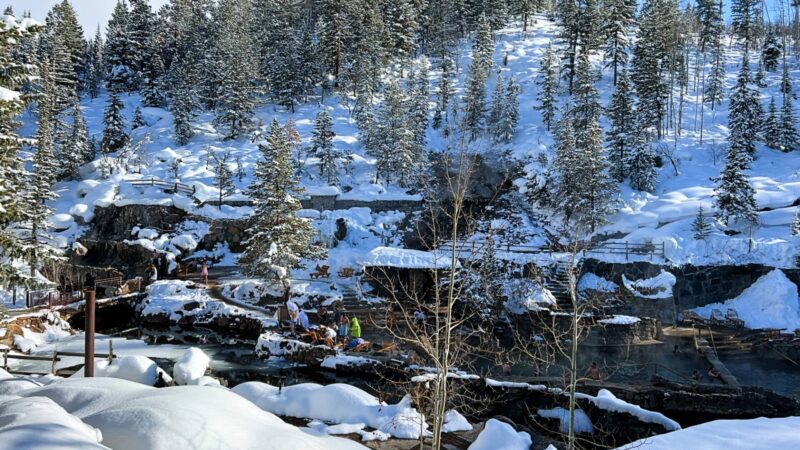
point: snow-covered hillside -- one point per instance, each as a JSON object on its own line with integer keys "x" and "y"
{"x": 663, "y": 216}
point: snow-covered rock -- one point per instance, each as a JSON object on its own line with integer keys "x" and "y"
{"x": 751, "y": 434}
{"x": 607, "y": 401}
{"x": 500, "y": 435}
{"x": 191, "y": 368}
{"x": 407, "y": 259}
{"x": 581, "y": 421}
{"x": 657, "y": 287}
{"x": 39, "y": 423}
{"x": 771, "y": 302}
{"x": 136, "y": 368}
{"x": 336, "y": 403}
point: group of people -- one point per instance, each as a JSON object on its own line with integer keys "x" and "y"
{"x": 333, "y": 326}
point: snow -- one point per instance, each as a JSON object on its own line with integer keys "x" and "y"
{"x": 132, "y": 416}
{"x": 336, "y": 403}
{"x": 406, "y": 259}
{"x": 136, "y": 368}
{"x": 582, "y": 423}
{"x": 39, "y": 423}
{"x": 657, "y": 287}
{"x": 7, "y": 95}
{"x": 751, "y": 434}
{"x": 526, "y": 295}
{"x": 607, "y": 401}
{"x": 498, "y": 435}
{"x": 619, "y": 319}
{"x": 30, "y": 340}
{"x": 770, "y": 302}
{"x": 592, "y": 282}
{"x": 191, "y": 367}
{"x": 454, "y": 422}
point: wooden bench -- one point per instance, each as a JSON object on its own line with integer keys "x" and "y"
{"x": 346, "y": 272}
{"x": 321, "y": 272}
{"x": 732, "y": 317}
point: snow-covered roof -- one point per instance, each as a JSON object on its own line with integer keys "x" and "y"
{"x": 406, "y": 259}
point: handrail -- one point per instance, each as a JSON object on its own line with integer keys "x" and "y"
{"x": 176, "y": 186}
{"x": 610, "y": 248}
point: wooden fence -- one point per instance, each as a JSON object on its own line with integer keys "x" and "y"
{"x": 53, "y": 360}
{"x": 626, "y": 248}
{"x": 166, "y": 186}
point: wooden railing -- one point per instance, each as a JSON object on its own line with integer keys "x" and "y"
{"x": 55, "y": 358}
{"x": 167, "y": 186}
{"x": 608, "y": 248}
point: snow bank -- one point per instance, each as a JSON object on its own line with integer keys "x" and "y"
{"x": 500, "y": 435}
{"x": 617, "y": 319}
{"x": 527, "y": 295}
{"x": 658, "y": 287}
{"x": 771, "y": 302}
{"x": 406, "y": 259}
{"x": 592, "y": 282}
{"x": 30, "y": 339}
{"x": 751, "y": 434}
{"x": 454, "y": 421}
{"x": 336, "y": 403}
{"x": 132, "y": 416}
{"x": 607, "y": 401}
{"x": 191, "y": 367}
{"x": 582, "y": 422}
{"x": 39, "y": 423}
{"x": 136, "y": 368}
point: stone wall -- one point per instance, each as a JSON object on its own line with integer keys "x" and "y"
{"x": 332, "y": 202}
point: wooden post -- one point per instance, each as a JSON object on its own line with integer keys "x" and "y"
{"x": 5, "y": 359}
{"x": 110, "y": 351}
{"x": 53, "y": 364}
{"x": 88, "y": 350}
{"x": 626, "y": 250}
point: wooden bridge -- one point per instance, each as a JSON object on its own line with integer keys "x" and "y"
{"x": 105, "y": 288}
{"x": 628, "y": 249}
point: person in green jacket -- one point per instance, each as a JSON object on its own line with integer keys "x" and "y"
{"x": 355, "y": 328}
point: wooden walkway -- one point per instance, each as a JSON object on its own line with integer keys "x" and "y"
{"x": 711, "y": 355}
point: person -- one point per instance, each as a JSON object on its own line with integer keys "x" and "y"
{"x": 322, "y": 315}
{"x": 355, "y": 328}
{"x": 714, "y": 374}
{"x": 293, "y": 310}
{"x": 204, "y": 272}
{"x": 593, "y": 372}
{"x": 344, "y": 327}
{"x": 302, "y": 320}
{"x": 327, "y": 333}
{"x": 355, "y": 343}
{"x": 152, "y": 274}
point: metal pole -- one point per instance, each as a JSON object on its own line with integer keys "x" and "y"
{"x": 88, "y": 350}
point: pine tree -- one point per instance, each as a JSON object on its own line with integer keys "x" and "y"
{"x": 182, "y": 105}
{"x": 743, "y": 20}
{"x": 279, "y": 239}
{"x": 657, "y": 43}
{"x": 120, "y": 76}
{"x": 735, "y": 196}
{"x": 618, "y": 19}
{"x": 401, "y": 28}
{"x": 14, "y": 204}
{"x": 700, "y": 226}
{"x": 744, "y": 117}
{"x": 789, "y": 137}
{"x": 138, "y": 119}
{"x": 786, "y": 82}
{"x": 322, "y": 148}
{"x": 641, "y": 165}
{"x": 548, "y": 87}
{"x": 715, "y": 82}
{"x": 623, "y": 128}
{"x": 62, "y": 41}
{"x": 475, "y": 99}
{"x": 444, "y": 92}
{"x": 94, "y": 65}
{"x": 140, "y": 30}
{"x": 796, "y": 223}
{"x": 771, "y": 127}
{"x": 78, "y": 152}
{"x": 233, "y": 68}
{"x": 418, "y": 107}
{"x": 771, "y": 51}
{"x": 496, "y": 108}
{"x": 223, "y": 176}
{"x": 505, "y": 110}
{"x": 114, "y": 135}
{"x": 709, "y": 14}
